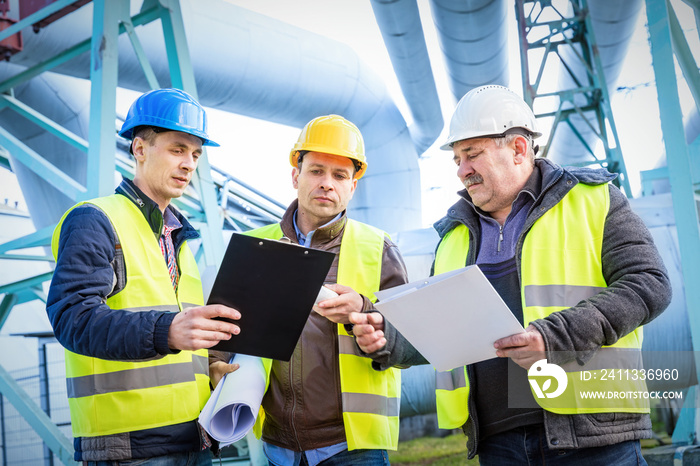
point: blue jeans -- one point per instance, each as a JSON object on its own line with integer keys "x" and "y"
{"x": 200, "y": 458}
{"x": 528, "y": 445}
{"x": 352, "y": 458}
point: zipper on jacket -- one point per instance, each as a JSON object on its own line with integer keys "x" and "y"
{"x": 529, "y": 221}
{"x": 500, "y": 238}
{"x": 471, "y": 404}
{"x": 292, "y": 421}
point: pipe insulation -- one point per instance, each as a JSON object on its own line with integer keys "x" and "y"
{"x": 474, "y": 40}
{"x": 400, "y": 24}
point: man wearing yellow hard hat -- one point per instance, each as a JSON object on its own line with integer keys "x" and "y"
{"x": 327, "y": 403}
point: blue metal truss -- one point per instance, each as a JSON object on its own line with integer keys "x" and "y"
{"x": 667, "y": 40}
{"x": 545, "y": 31}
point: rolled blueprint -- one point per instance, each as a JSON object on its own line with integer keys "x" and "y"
{"x": 234, "y": 404}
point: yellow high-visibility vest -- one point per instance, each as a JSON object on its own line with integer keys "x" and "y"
{"x": 111, "y": 397}
{"x": 371, "y": 399}
{"x": 561, "y": 265}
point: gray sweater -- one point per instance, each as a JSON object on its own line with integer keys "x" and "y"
{"x": 638, "y": 291}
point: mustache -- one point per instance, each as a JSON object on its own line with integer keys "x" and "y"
{"x": 475, "y": 178}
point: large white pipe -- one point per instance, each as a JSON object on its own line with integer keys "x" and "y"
{"x": 400, "y": 24}
{"x": 474, "y": 39}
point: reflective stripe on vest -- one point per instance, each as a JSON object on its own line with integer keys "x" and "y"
{"x": 371, "y": 399}
{"x": 451, "y": 390}
{"x": 112, "y": 397}
{"x": 573, "y": 272}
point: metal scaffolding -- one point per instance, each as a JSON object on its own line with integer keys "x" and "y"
{"x": 559, "y": 36}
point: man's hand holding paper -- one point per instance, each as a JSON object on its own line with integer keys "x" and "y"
{"x": 337, "y": 308}
{"x": 524, "y": 349}
{"x": 219, "y": 369}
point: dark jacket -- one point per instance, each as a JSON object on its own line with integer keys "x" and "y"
{"x": 638, "y": 291}
{"x": 88, "y": 270}
{"x": 303, "y": 408}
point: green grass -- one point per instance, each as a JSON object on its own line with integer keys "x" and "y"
{"x": 452, "y": 451}
{"x": 446, "y": 451}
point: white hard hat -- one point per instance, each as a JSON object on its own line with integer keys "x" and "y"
{"x": 490, "y": 111}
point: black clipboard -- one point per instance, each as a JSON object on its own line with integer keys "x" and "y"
{"x": 274, "y": 286}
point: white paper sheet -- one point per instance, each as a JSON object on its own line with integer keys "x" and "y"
{"x": 234, "y": 404}
{"x": 452, "y": 319}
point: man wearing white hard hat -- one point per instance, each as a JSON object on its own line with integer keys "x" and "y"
{"x": 573, "y": 263}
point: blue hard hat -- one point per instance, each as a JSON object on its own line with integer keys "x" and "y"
{"x": 171, "y": 109}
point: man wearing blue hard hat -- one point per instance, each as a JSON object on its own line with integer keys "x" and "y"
{"x": 126, "y": 301}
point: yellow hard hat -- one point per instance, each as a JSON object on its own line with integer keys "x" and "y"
{"x": 331, "y": 134}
